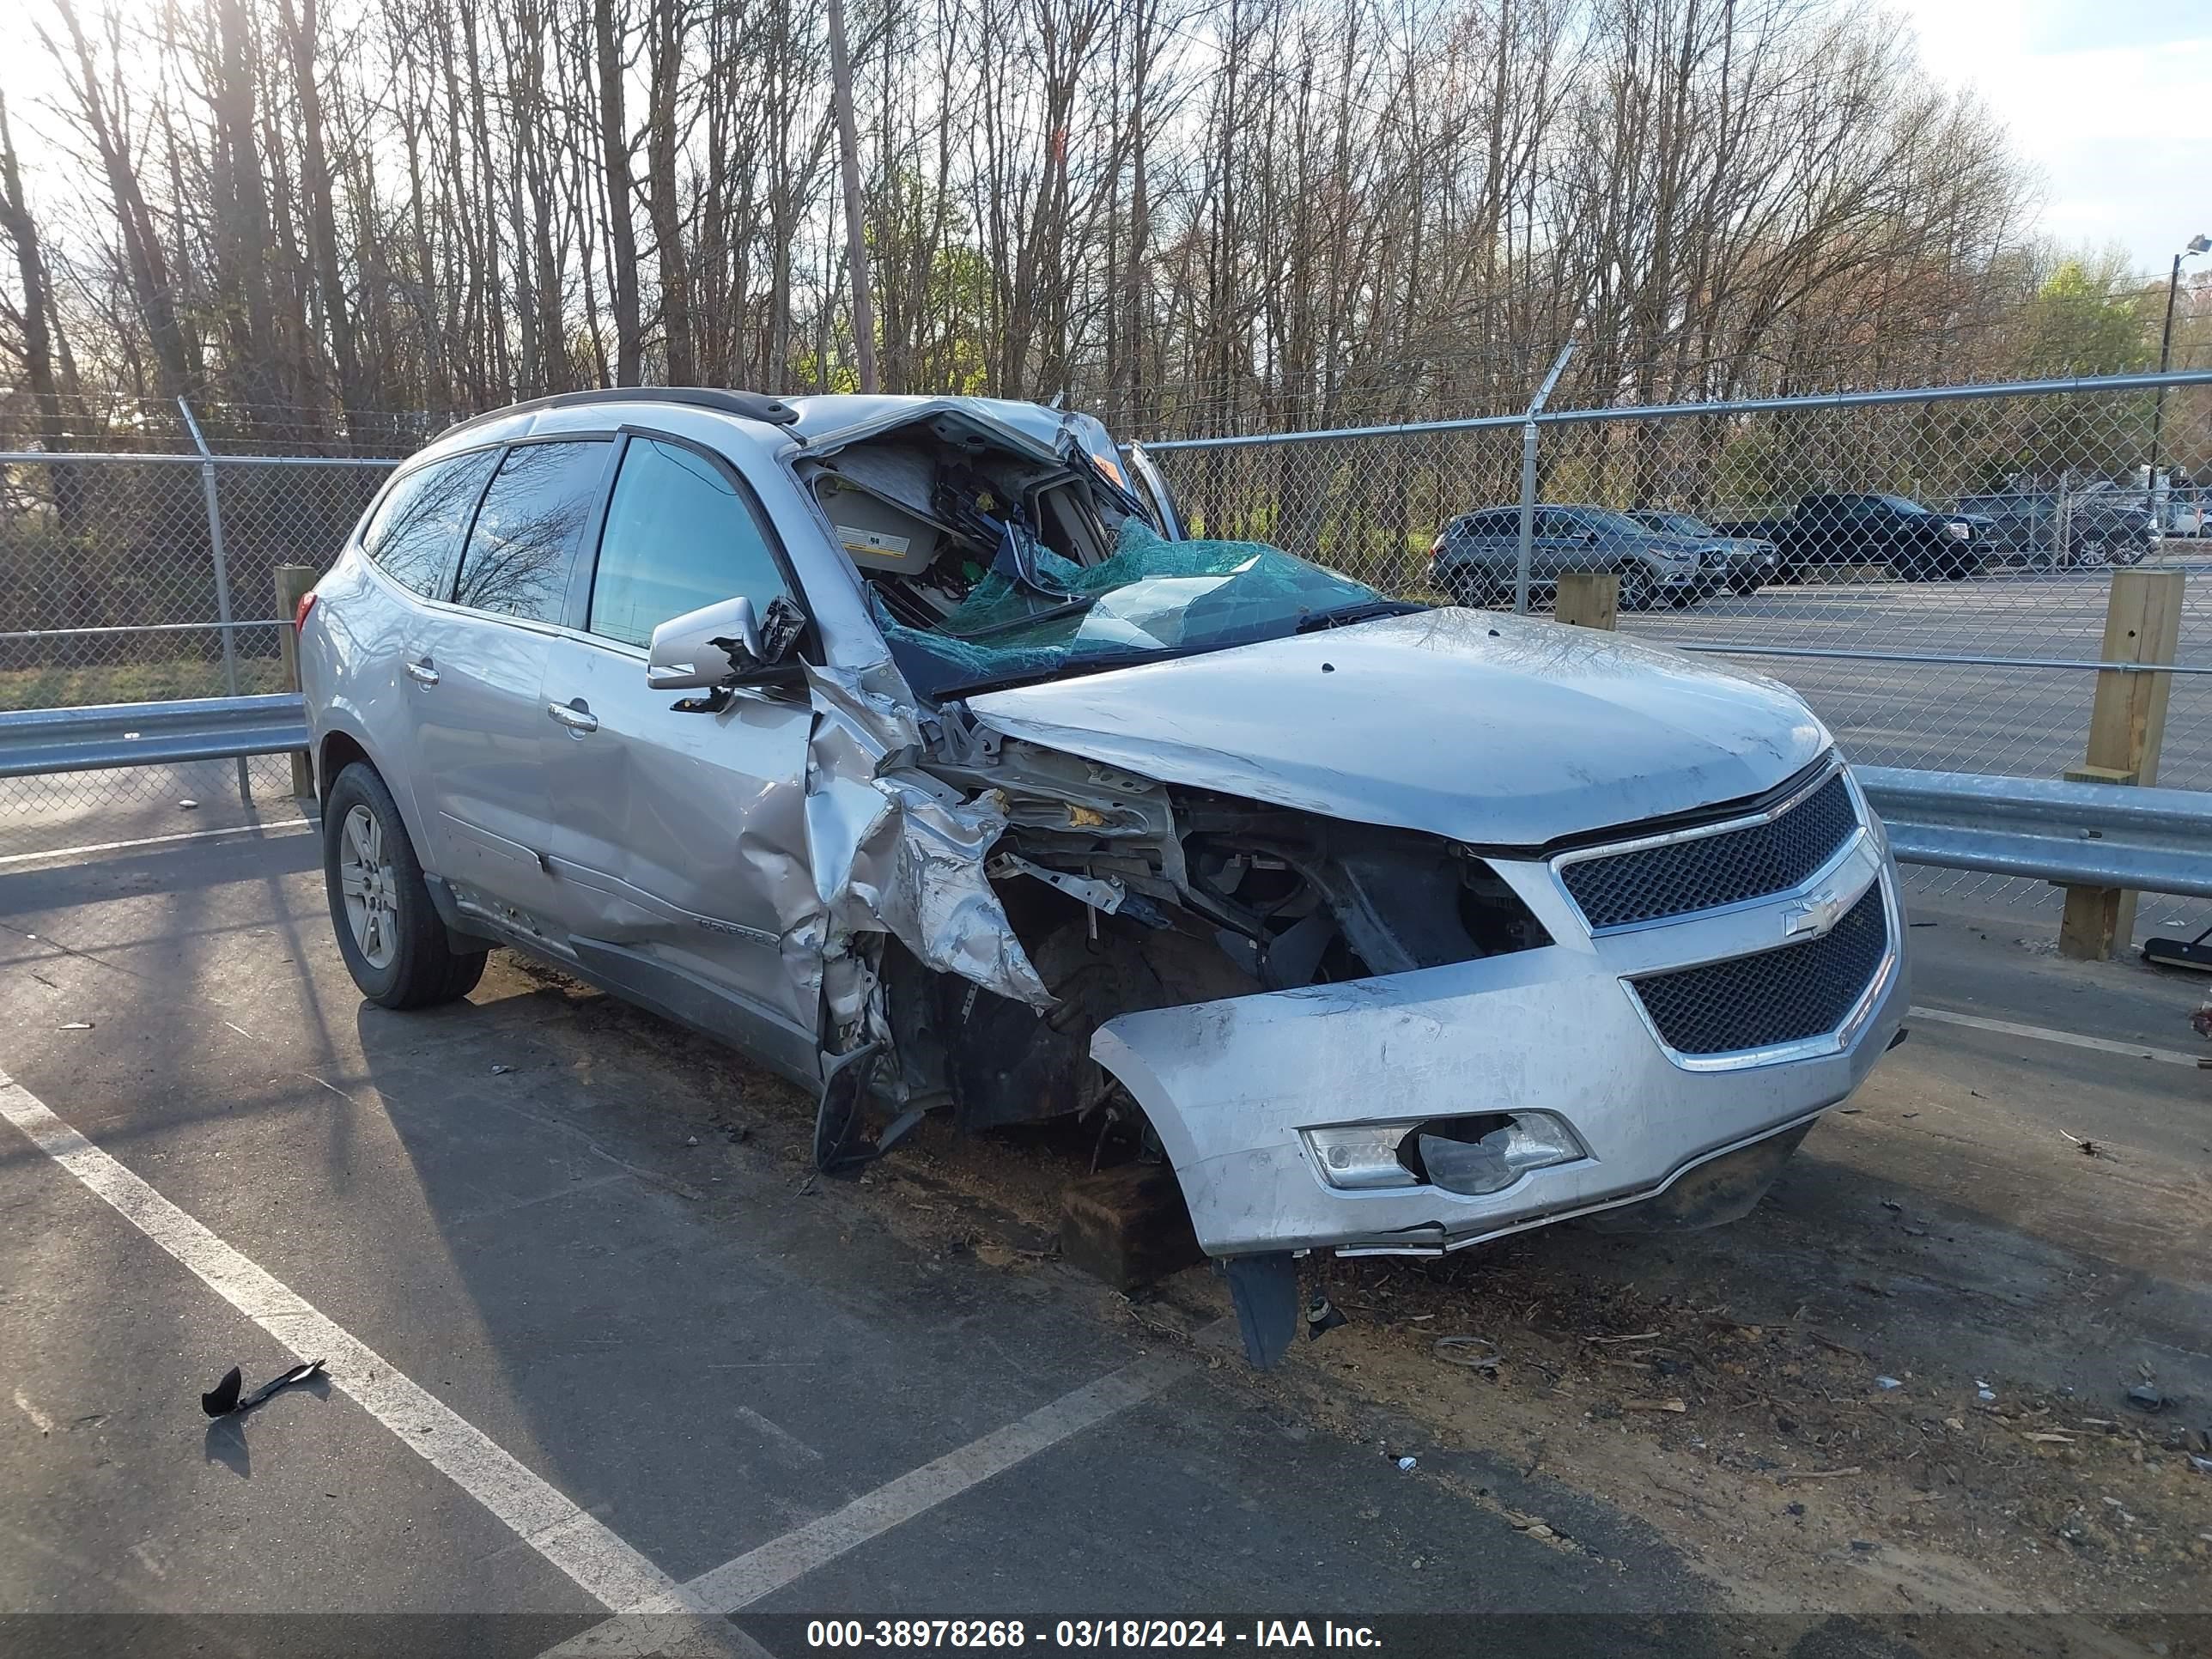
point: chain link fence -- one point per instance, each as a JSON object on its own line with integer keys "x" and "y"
{"x": 1811, "y": 539}
{"x": 1929, "y": 569}
{"x": 129, "y": 577}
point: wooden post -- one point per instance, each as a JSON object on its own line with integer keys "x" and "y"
{"x": 293, "y": 582}
{"x": 1587, "y": 598}
{"x": 2127, "y": 727}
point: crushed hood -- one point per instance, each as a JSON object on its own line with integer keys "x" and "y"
{"x": 1490, "y": 729}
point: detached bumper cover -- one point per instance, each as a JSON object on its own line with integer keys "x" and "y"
{"x": 1229, "y": 1085}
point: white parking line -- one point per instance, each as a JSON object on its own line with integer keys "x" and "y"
{"x": 578, "y": 1543}
{"x": 2071, "y": 1039}
{"x": 289, "y": 827}
{"x": 762, "y": 1571}
{"x": 656, "y": 1616}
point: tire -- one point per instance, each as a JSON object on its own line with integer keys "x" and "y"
{"x": 1473, "y": 588}
{"x": 1637, "y": 591}
{"x": 394, "y": 943}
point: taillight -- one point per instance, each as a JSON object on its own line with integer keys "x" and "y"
{"x": 1437, "y": 547}
{"x": 306, "y": 604}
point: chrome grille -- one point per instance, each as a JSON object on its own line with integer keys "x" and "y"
{"x": 1776, "y": 997}
{"x": 1706, "y": 871}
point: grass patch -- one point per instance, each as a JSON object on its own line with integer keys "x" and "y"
{"x": 133, "y": 682}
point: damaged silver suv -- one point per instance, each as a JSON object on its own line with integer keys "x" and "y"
{"x": 912, "y": 746}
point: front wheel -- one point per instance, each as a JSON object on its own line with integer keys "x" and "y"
{"x": 1637, "y": 591}
{"x": 1475, "y": 589}
{"x": 394, "y": 944}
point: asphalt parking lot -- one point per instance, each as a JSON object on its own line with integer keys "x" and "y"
{"x": 1957, "y": 717}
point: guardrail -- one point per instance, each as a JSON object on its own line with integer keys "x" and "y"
{"x": 41, "y": 740}
{"x": 2088, "y": 835}
{"x": 2084, "y": 835}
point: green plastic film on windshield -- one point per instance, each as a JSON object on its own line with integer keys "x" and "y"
{"x": 1150, "y": 596}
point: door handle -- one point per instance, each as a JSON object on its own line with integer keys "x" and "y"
{"x": 422, "y": 673}
{"x": 577, "y": 719}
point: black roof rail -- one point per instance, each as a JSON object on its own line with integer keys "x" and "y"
{"x": 751, "y": 406}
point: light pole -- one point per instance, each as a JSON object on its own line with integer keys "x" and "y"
{"x": 2197, "y": 244}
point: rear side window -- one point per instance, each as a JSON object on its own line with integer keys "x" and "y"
{"x": 680, "y": 534}
{"x": 421, "y": 516}
{"x": 516, "y": 563}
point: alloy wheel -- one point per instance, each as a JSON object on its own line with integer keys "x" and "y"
{"x": 371, "y": 890}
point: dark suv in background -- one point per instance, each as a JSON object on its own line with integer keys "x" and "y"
{"x": 1915, "y": 543}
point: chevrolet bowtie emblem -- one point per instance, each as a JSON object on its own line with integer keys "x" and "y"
{"x": 1815, "y": 916}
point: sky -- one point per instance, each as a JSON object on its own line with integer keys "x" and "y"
{"x": 2111, "y": 98}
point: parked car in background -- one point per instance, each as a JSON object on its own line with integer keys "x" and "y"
{"x": 2052, "y": 530}
{"x": 1751, "y": 562}
{"x": 1476, "y": 557}
{"x": 1913, "y": 542}
{"x": 905, "y": 743}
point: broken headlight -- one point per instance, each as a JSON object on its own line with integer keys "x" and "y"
{"x": 1483, "y": 1153}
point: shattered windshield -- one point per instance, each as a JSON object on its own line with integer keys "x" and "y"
{"x": 1151, "y": 597}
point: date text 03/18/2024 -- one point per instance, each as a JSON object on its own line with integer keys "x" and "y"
{"x": 1086, "y": 1634}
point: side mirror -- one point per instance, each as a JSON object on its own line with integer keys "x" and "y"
{"x": 725, "y": 643}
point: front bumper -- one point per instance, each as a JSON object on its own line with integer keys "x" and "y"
{"x": 1228, "y": 1086}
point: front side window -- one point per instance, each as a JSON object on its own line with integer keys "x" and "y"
{"x": 681, "y": 534}
{"x": 411, "y": 536}
{"x": 516, "y": 563}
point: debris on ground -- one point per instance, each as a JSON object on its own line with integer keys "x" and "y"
{"x": 501, "y": 1071}
{"x": 2200, "y": 1021}
{"x": 223, "y": 1400}
{"x": 1321, "y": 1316}
{"x": 188, "y": 806}
{"x": 1886, "y": 1384}
{"x": 2149, "y": 1397}
{"x": 1460, "y": 1351}
{"x": 77, "y": 1025}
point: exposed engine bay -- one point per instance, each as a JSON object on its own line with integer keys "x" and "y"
{"x": 1130, "y": 895}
